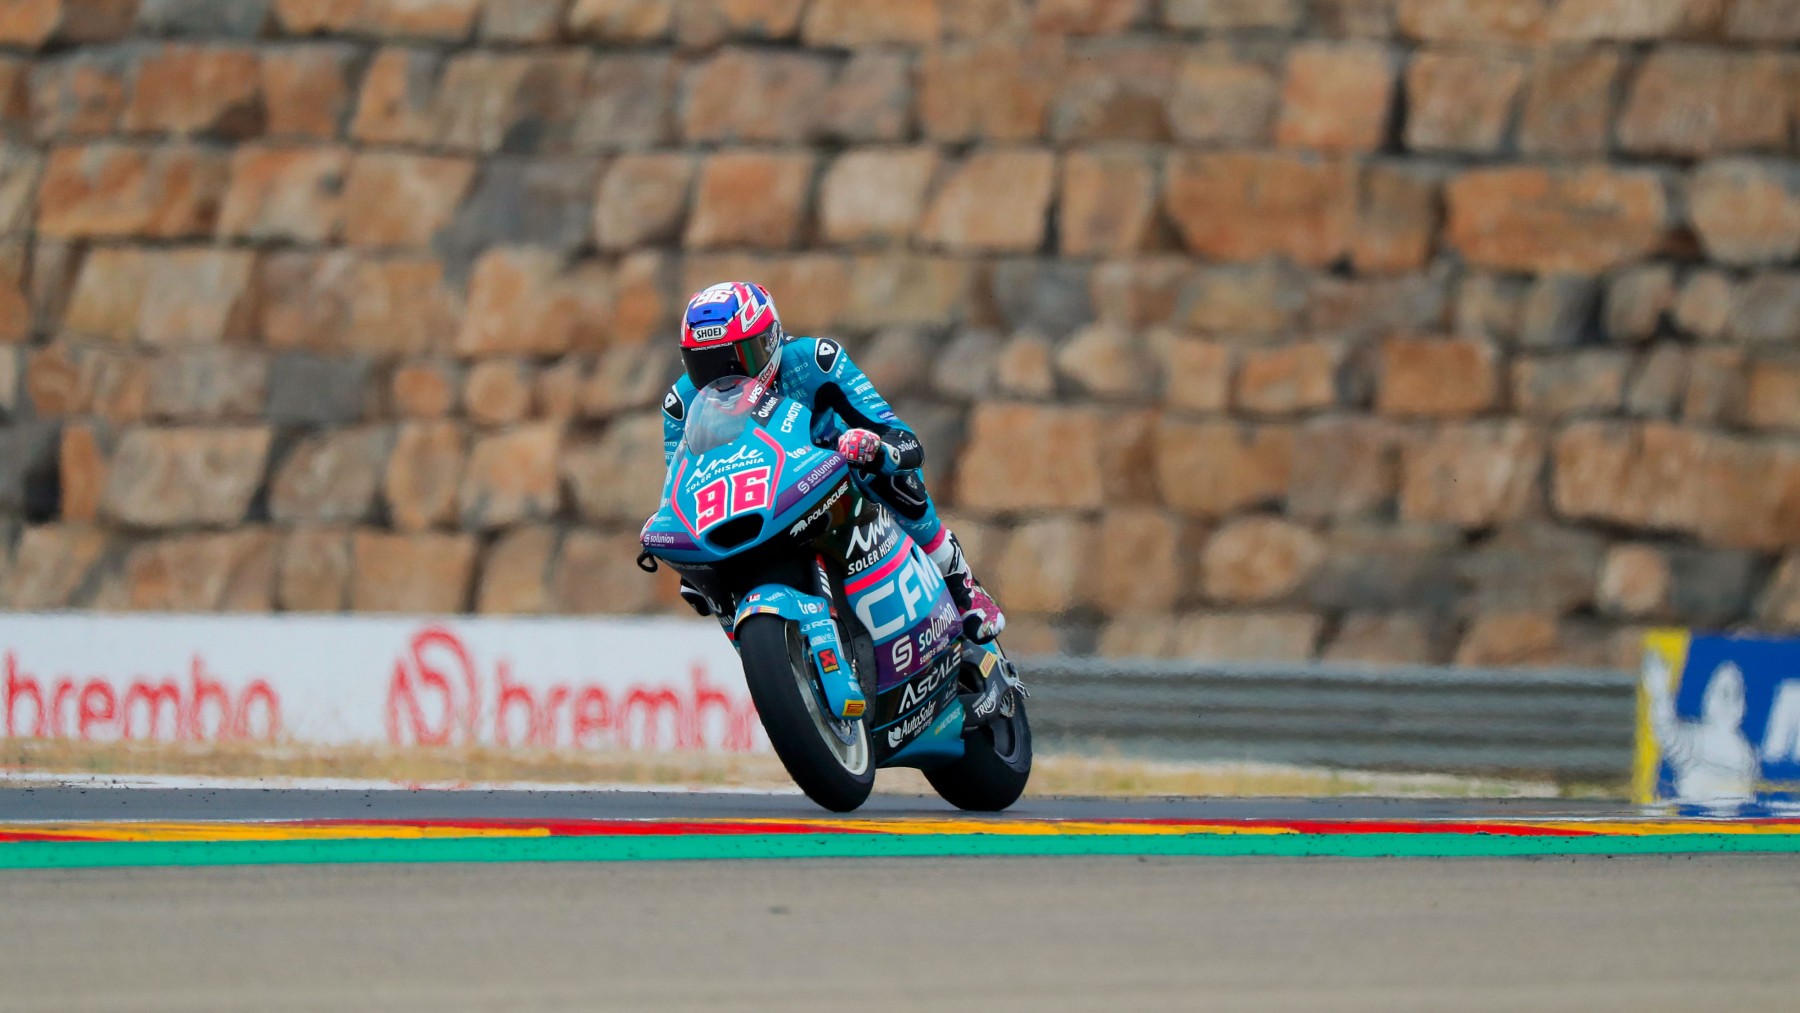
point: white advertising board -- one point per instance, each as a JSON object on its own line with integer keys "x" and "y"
{"x": 602, "y": 684}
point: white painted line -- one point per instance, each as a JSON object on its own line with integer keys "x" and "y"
{"x": 27, "y": 778}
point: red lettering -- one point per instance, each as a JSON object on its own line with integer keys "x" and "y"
{"x": 152, "y": 699}
{"x": 652, "y": 704}
{"x": 65, "y": 690}
{"x": 96, "y": 706}
{"x": 513, "y": 694}
{"x": 259, "y": 690}
{"x": 706, "y": 695}
{"x": 456, "y": 692}
{"x": 547, "y": 721}
{"x": 205, "y": 691}
{"x": 16, "y": 687}
{"x": 591, "y": 714}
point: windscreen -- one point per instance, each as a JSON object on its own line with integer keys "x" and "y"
{"x": 720, "y": 413}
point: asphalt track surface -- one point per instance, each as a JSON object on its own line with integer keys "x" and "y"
{"x": 1142, "y": 931}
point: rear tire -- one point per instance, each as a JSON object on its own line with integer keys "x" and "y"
{"x": 830, "y": 759}
{"x": 995, "y": 765}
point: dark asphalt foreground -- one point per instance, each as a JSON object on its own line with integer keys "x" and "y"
{"x": 68, "y": 803}
{"x": 1001, "y": 934}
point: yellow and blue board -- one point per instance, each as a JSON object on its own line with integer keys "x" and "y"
{"x": 1718, "y": 720}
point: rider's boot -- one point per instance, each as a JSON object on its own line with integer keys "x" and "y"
{"x": 982, "y": 618}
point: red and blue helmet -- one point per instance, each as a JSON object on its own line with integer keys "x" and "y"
{"x": 731, "y": 329}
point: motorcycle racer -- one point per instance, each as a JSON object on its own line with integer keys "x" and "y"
{"x": 734, "y": 329}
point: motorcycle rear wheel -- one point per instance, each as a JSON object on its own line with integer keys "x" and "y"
{"x": 830, "y": 759}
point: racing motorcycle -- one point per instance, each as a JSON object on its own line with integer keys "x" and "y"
{"x": 852, "y": 647}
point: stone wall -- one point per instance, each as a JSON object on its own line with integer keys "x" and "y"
{"x": 1419, "y": 330}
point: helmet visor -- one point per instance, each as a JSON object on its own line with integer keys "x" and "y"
{"x": 749, "y": 357}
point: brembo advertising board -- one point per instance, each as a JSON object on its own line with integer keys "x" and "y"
{"x": 599, "y": 684}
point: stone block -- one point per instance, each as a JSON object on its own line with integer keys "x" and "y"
{"x": 1288, "y": 379}
{"x": 114, "y": 190}
{"x": 331, "y": 477}
{"x": 1128, "y": 457}
{"x": 1210, "y": 469}
{"x": 185, "y": 89}
{"x": 1249, "y": 636}
{"x": 1638, "y": 303}
{"x": 515, "y": 573}
{"x": 1258, "y": 299}
{"x": 1515, "y": 22}
{"x": 527, "y": 202}
{"x": 904, "y": 289}
{"x": 871, "y": 99}
{"x": 643, "y": 200}
{"x": 318, "y": 390}
{"x": 1259, "y": 560}
{"x": 229, "y": 571}
{"x": 1773, "y": 398}
{"x": 1704, "y": 306}
{"x": 30, "y": 469}
{"x": 1397, "y": 218}
{"x": 20, "y": 169}
{"x": 811, "y": 288}
{"x": 1532, "y": 567}
{"x": 1658, "y": 384}
{"x": 426, "y": 389}
{"x": 750, "y": 199}
{"x": 522, "y": 301}
{"x": 875, "y": 195}
{"x": 596, "y": 575}
{"x": 1116, "y": 90}
{"x": 1569, "y": 102}
{"x": 1437, "y": 377}
{"x": 207, "y": 384}
{"x": 1585, "y": 383}
{"x": 1510, "y": 639}
{"x": 1344, "y": 466}
{"x": 1688, "y": 102}
{"x": 849, "y": 24}
{"x": 1233, "y": 15}
{"x": 988, "y": 90}
{"x": 644, "y": 303}
{"x": 1106, "y": 363}
{"x": 180, "y": 477}
{"x": 1634, "y": 20}
{"x": 1386, "y": 567}
{"x": 1221, "y": 99}
{"x": 1458, "y": 101}
{"x": 293, "y": 194}
{"x": 1765, "y": 309}
{"x": 1087, "y": 17}
{"x": 108, "y": 294}
{"x": 1473, "y": 475}
{"x": 1779, "y": 605}
{"x": 306, "y": 90}
{"x": 198, "y": 296}
{"x": 1360, "y": 310}
{"x": 1580, "y": 221}
{"x": 305, "y": 299}
{"x": 1634, "y": 581}
{"x": 71, "y": 379}
{"x": 1763, "y": 21}
{"x": 498, "y": 391}
{"x": 523, "y": 102}
{"x": 1374, "y": 638}
{"x": 1108, "y": 203}
{"x": 81, "y": 471}
{"x": 398, "y": 199}
{"x": 1337, "y": 96}
{"x": 423, "y": 474}
{"x": 1746, "y": 211}
{"x": 994, "y": 479}
{"x": 783, "y": 88}
{"x": 1247, "y": 206}
{"x": 522, "y": 22}
{"x": 630, "y": 104}
{"x": 32, "y": 24}
{"x": 511, "y": 477}
{"x": 81, "y": 94}
{"x": 994, "y": 201}
{"x": 55, "y": 566}
{"x": 621, "y": 22}
{"x": 1713, "y": 588}
{"x": 1042, "y": 295}
{"x": 704, "y": 23}
{"x": 1146, "y": 560}
{"x": 449, "y": 21}
{"x": 1715, "y": 386}
{"x": 316, "y": 17}
{"x": 965, "y": 369}
{"x": 1197, "y": 375}
{"x": 1045, "y": 567}
{"x": 313, "y": 570}
{"x": 396, "y": 103}
{"x": 424, "y": 572}
{"x": 618, "y": 477}
{"x": 1024, "y": 368}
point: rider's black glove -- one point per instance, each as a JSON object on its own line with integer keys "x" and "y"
{"x": 692, "y": 595}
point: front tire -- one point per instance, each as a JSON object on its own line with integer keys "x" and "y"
{"x": 995, "y": 765}
{"x": 830, "y": 759}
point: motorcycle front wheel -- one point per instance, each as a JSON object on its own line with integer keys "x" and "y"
{"x": 830, "y": 759}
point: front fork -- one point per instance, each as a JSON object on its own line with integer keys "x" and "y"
{"x": 816, "y": 616}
